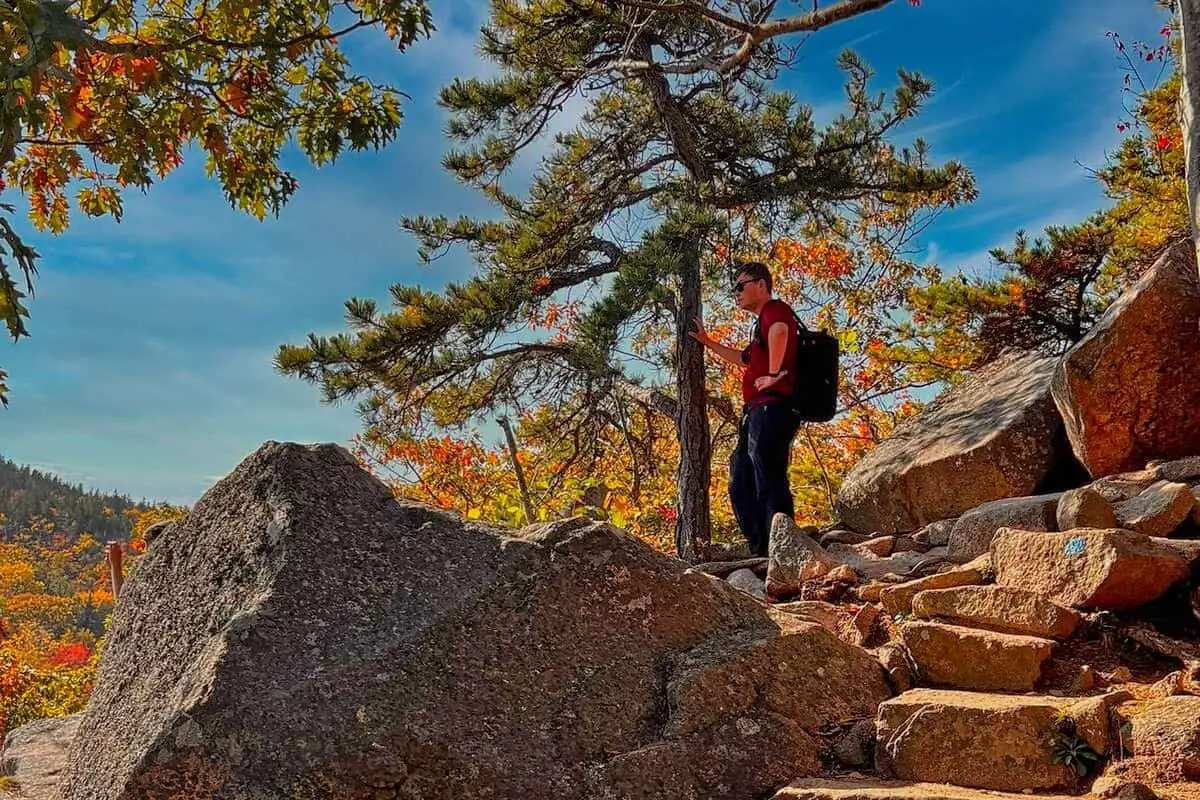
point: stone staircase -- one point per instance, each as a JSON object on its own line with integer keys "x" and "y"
{"x": 981, "y": 723}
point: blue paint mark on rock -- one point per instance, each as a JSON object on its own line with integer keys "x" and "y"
{"x": 1075, "y": 545}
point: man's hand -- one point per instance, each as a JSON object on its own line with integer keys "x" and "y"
{"x": 728, "y": 354}
{"x": 700, "y": 334}
{"x": 767, "y": 381}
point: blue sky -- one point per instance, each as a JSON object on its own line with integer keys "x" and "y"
{"x": 149, "y": 368}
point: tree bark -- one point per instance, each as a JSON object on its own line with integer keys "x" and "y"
{"x": 693, "y": 525}
{"x": 1188, "y": 101}
{"x": 516, "y": 462}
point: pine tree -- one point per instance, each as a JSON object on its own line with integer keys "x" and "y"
{"x": 679, "y": 130}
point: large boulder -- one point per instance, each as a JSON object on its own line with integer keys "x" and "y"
{"x": 1158, "y": 510}
{"x": 898, "y": 599}
{"x": 972, "y": 534}
{"x": 303, "y": 635}
{"x": 1129, "y": 391}
{"x": 995, "y": 435}
{"x": 1084, "y": 507}
{"x": 1088, "y": 568}
{"x": 979, "y": 660}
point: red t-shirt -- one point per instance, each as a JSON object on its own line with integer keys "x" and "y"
{"x": 756, "y": 359}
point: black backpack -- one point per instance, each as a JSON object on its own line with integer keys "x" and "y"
{"x": 816, "y": 371}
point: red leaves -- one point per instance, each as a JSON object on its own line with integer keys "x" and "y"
{"x": 143, "y": 70}
{"x": 71, "y": 655}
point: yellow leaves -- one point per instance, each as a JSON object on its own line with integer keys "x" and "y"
{"x": 48, "y": 611}
{"x": 98, "y": 201}
{"x": 17, "y": 578}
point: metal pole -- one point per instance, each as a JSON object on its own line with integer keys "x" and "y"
{"x": 512, "y": 453}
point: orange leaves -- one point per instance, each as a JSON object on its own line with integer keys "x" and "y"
{"x": 819, "y": 260}
{"x": 235, "y": 97}
{"x": 541, "y": 284}
{"x": 143, "y": 71}
{"x": 139, "y": 72}
{"x": 214, "y": 141}
{"x": 1017, "y": 296}
{"x": 558, "y": 317}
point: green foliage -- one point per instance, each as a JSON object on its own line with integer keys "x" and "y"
{"x": 103, "y": 95}
{"x": 1075, "y": 754}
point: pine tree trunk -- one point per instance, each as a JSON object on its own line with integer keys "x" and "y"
{"x": 1188, "y": 101}
{"x": 694, "y": 523}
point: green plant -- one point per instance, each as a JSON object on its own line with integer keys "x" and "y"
{"x": 1071, "y": 750}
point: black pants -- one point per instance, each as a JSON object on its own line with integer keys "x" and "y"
{"x": 758, "y": 471}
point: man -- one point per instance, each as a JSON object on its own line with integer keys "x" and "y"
{"x": 758, "y": 469}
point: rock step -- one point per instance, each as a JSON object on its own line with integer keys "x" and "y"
{"x": 1007, "y": 609}
{"x": 987, "y": 741}
{"x": 34, "y": 758}
{"x": 1088, "y": 568}
{"x": 967, "y": 658}
{"x": 898, "y": 599}
{"x": 878, "y": 789}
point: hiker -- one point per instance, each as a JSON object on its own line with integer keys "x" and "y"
{"x": 758, "y": 468}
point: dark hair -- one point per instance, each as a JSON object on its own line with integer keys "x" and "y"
{"x": 756, "y": 270}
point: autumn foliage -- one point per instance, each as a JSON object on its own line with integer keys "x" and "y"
{"x": 55, "y": 603}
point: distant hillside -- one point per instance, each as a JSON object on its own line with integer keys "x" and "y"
{"x": 27, "y": 495}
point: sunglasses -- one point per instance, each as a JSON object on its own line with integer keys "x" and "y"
{"x": 737, "y": 287}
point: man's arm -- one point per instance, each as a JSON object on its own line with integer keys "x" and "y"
{"x": 777, "y": 337}
{"x": 730, "y": 354}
